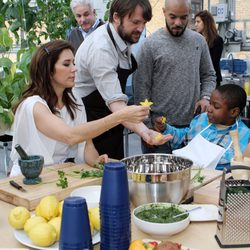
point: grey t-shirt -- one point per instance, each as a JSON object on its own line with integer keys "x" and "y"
{"x": 173, "y": 73}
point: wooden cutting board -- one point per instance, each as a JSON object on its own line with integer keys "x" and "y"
{"x": 49, "y": 176}
{"x": 209, "y": 194}
{"x": 31, "y": 198}
{"x": 210, "y": 175}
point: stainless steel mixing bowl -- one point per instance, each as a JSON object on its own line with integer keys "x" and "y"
{"x": 157, "y": 178}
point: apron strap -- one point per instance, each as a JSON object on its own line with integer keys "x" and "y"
{"x": 223, "y": 136}
{"x": 111, "y": 35}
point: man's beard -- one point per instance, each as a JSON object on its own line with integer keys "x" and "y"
{"x": 126, "y": 36}
{"x": 180, "y": 33}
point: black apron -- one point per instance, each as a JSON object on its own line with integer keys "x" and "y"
{"x": 110, "y": 142}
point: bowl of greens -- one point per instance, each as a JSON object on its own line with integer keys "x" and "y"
{"x": 161, "y": 220}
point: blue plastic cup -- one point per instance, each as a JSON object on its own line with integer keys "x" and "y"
{"x": 115, "y": 208}
{"x": 114, "y": 191}
{"x": 75, "y": 228}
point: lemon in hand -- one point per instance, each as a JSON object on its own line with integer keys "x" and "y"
{"x": 18, "y": 216}
{"x": 43, "y": 234}
{"x": 56, "y": 223}
{"x": 159, "y": 136}
{"x": 49, "y": 207}
{"x": 146, "y": 103}
{"x": 31, "y": 222}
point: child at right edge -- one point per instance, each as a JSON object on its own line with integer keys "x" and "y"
{"x": 207, "y": 139}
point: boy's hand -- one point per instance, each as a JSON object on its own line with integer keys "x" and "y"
{"x": 160, "y": 124}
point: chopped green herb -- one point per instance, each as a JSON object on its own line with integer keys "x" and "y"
{"x": 99, "y": 165}
{"x": 160, "y": 214}
{"x": 198, "y": 177}
{"x": 90, "y": 173}
{"x": 62, "y": 180}
{"x": 238, "y": 190}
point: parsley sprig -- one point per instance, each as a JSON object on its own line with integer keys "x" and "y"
{"x": 198, "y": 177}
{"x": 89, "y": 173}
{"x": 99, "y": 165}
{"x": 62, "y": 180}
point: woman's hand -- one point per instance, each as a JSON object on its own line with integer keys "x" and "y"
{"x": 134, "y": 113}
{"x": 101, "y": 159}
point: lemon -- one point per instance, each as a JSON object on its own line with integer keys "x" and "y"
{"x": 49, "y": 207}
{"x": 94, "y": 217}
{"x": 43, "y": 234}
{"x": 56, "y": 223}
{"x": 146, "y": 103}
{"x": 18, "y": 216}
{"x": 60, "y": 208}
{"x": 91, "y": 227}
{"x": 37, "y": 211}
{"x": 31, "y": 222}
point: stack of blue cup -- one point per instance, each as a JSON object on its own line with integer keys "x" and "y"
{"x": 75, "y": 229}
{"x": 115, "y": 208}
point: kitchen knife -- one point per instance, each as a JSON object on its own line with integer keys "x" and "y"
{"x": 17, "y": 186}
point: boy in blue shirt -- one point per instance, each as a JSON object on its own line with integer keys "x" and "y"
{"x": 208, "y": 139}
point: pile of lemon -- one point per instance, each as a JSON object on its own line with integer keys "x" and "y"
{"x": 43, "y": 228}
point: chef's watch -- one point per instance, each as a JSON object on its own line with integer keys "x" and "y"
{"x": 206, "y": 97}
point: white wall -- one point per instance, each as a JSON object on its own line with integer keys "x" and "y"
{"x": 100, "y": 6}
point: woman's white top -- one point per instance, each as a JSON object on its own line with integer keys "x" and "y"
{"x": 36, "y": 143}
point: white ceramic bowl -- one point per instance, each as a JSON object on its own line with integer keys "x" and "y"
{"x": 159, "y": 230}
{"x": 90, "y": 193}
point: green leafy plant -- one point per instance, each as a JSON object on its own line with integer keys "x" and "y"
{"x": 31, "y": 23}
{"x": 23, "y": 26}
{"x": 107, "y": 12}
{"x": 13, "y": 77}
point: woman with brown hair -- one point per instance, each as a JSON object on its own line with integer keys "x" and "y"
{"x": 205, "y": 25}
{"x": 50, "y": 121}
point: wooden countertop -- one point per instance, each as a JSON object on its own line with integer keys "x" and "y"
{"x": 198, "y": 235}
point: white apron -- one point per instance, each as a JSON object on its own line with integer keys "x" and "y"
{"x": 203, "y": 153}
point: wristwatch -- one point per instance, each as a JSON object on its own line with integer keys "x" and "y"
{"x": 206, "y": 97}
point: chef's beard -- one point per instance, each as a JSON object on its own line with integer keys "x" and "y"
{"x": 128, "y": 37}
{"x": 176, "y": 34}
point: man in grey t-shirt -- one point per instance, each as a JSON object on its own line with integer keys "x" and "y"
{"x": 175, "y": 71}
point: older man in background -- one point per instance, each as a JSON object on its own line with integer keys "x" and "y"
{"x": 85, "y": 16}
